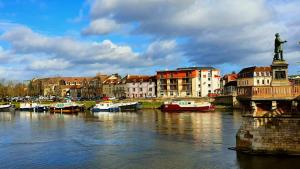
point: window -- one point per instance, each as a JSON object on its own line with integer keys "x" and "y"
{"x": 150, "y": 89}
{"x": 257, "y": 82}
{"x": 268, "y": 81}
{"x": 204, "y": 76}
{"x": 171, "y": 93}
{"x": 209, "y": 91}
{"x": 188, "y": 93}
{"x": 209, "y": 79}
{"x": 133, "y": 89}
{"x": 263, "y": 81}
{"x": 209, "y": 85}
{"x": 141, "y": 95}
{"x": 141, "y": 89}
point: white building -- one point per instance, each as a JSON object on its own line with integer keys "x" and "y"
{"x": 188, "y": 82}
{"x": 137, "y": 86}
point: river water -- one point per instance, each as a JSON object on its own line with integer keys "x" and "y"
{"x": 148, "y": 139}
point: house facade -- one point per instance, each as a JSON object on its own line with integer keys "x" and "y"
{"x": 188, "y": 82}
{"x": 111, "y": 85}
{"x": 138, "y": 86}
{"x": 255, "y": 76}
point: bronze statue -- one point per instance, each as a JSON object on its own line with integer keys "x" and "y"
{"x": 278, "y": 47}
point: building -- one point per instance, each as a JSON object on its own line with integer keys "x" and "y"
{"x": 188, "y": 82}
{"x": 111, "y": 85}
{"x": 139, "y": 86}
{"x": 56, "y": 86}
{"x": 228, "y": 78}
{"x": 295, "y": 79}
{"x": 255, "y": 76}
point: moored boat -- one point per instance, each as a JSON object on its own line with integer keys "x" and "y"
{"x": 6, "y": 108}
{"x": 187, "y": 106}
{"x": 35, "y": 107}
{"x": 106, "y": 107}
{"x": 129, "y": 106}
{"x": 67, "y": 107}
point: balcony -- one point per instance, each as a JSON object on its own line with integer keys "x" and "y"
{"x": 268, "y": 92}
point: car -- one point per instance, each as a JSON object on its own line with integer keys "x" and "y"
{"x": 105, "y": 98}
{"x": 122, "y": 98}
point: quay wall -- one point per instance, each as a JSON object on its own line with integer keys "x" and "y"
{"x": 229, "y": 100}
{"x": 273, "y": 135}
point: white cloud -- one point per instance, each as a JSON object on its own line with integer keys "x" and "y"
{"x": 214, "y": 31}
{"x": 24, "y": 40}
{"x": 101, "y": 26}
{"x": 46, "y": 55}
{"x": 50, "y": 64}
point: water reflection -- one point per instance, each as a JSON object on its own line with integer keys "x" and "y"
{"x": 144, "y": 139}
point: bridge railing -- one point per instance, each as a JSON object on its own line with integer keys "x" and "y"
{"x": 268, "y": 91}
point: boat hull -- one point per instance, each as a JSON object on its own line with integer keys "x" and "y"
{"x": 130, "y": 107}
{"x": 177, "y": 108}
{"x": 66, "y": 110}
{"x": 37, "y": 109}
{"x": 96, "y": 110}
{"x": 7, "y": 109}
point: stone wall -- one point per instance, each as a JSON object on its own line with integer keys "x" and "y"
{"x": 227, "y": 100}
{"x": 280, "y": 135}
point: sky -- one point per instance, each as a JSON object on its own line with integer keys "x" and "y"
{"x": 44, "y": 38}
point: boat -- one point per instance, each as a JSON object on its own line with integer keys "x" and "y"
{"x": 6, "y": 108}
{"x": 68, "y": 107}
{"x": 129, "y": 106}
{"x": 187, "y": 106}
{"x": 35, "y": 107}
{"x": 106, "y": 107}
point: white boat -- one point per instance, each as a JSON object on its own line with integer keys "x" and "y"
{"x": 106, "y": 106}
{"x": 33, "y": 107}
{"x": 6, "y": 108}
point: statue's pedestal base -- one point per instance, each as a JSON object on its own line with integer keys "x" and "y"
{"x": 280, "y": 73}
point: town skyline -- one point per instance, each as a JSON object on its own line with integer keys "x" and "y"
{"x": 82, "y": 38}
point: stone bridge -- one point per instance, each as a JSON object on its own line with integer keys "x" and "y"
{"x": 271, "y": 120}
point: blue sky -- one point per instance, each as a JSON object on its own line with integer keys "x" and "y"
{"x": 40, "y": 38}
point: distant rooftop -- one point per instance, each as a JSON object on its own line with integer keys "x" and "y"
{"x": 197, "y": 68}
{"x": 189, "y": 68}
{"x": 256, "y": 69}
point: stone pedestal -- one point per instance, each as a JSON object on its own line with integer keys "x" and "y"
{"x": 279, "y": 73}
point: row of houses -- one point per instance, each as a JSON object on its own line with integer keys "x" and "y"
{"x": 252, "y": 77}
{"x": 181, "y": 82}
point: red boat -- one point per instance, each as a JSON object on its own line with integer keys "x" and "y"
{"x": 187, "y": 106}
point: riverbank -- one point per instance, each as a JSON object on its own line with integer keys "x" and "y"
{"x": 147, "y": 103}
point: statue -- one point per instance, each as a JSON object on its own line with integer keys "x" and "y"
{"x": 278, "y": 47}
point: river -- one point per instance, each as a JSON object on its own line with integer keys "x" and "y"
{"x": 148, "y": 139}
